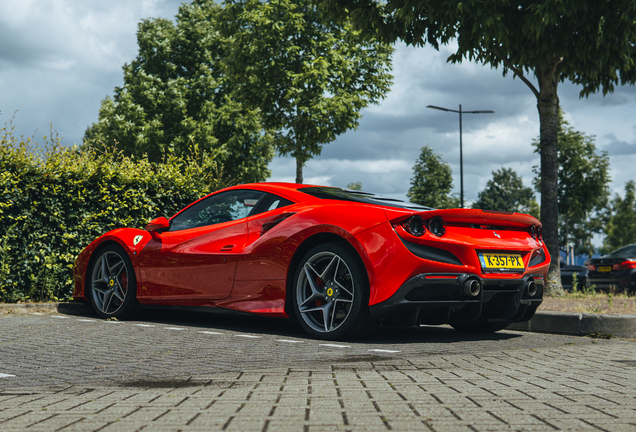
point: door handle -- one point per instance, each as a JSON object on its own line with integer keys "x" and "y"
{"x": 227, "y": 248}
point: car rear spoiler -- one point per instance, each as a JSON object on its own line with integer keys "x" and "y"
{"x": 470, "y": 216}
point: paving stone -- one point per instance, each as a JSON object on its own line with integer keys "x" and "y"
{"x": 98, "y": 376}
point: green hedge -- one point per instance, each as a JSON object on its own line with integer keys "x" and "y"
{"x": 55, "y": 201}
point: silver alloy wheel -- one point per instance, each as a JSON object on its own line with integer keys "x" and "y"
{"x": 109, "y": 282}
{"x": 325, "y": 292}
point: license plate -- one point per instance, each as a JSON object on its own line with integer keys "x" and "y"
{"x": 605, "y": 269}
{"x": 501, "y": 261}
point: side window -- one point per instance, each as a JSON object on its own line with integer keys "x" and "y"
{"x": 223, "y": 207}
{"x": 270, "y": 202}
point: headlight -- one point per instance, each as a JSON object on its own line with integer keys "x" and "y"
{"x": 437, "y": 226}
{"x": 415, "y": 226}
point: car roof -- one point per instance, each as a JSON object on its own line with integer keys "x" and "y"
{"x": 307, "y": 192}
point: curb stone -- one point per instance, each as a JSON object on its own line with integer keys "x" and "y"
{"x": 579, "y": 324}
{"x": 576, "y": 324}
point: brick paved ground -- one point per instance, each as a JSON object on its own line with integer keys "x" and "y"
{"x": 173, "y": 371}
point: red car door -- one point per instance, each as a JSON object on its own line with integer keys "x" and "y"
{"x": 196, "y": 258}
{"x": 198, "y": 263}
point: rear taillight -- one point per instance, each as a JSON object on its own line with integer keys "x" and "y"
{"x": 414, "y": 226}
{"x": 590, "y": 267}
{"x": 535, "y": 232}
{"x": 628, "y": 264}
{"x": 437, "y": 226}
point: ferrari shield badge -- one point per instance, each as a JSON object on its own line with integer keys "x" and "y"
{"x": 137, "y": 239}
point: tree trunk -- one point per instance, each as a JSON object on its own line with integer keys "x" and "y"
{"x": 299, "y": 169}
{"x": 548, "y": 106}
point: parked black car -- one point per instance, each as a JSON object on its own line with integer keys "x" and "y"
{"x": 581, "y": 276}
{"x": 616, "y": 269}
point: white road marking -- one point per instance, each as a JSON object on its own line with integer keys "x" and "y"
{"x": 248, "y": 336}
{"x": 384, "y": 351}
{"x": 173, "y": 328}
{"x": 288, "y": 341}
{"x": 36, "y": 313}
{"x": 112, "y": 322}
{"x": 336, "y": 346}
{"x": 59, "y": 316}
{"x": 212, "y": 333}
{"x": 6, "y": 375}
{"x": 144, "y": 325}
{"x": 85, "y": 320}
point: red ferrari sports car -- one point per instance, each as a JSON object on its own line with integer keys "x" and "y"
{"x": 337, "y": 260}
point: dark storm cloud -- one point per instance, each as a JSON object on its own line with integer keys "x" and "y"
{"x": 58, "y": 60}
{"x": 617, "y": 148}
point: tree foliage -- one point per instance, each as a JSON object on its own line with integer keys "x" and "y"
{"x": 56, "y": 200}
{"x": 588, "y": 42}
{"x": 621, "y": 227}
{"x": 583, "y": 191}
{"x": 176, "y": 94}
{"x": 355, "y": 186}
{"x": 309, "y": 77}
{"x": 432, "y": 181}
{"x": 506, "y": 192}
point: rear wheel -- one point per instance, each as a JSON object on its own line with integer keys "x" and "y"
{"x": 331, "y": 297}
{"x": 113, "y": 285}
{"x": 483, "y": 327}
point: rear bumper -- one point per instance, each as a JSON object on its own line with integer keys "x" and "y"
{"x": 445, "y": 298}
{"x": 617, "y": 278}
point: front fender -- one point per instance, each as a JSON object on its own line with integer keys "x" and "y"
{"x": 124, "y": 237}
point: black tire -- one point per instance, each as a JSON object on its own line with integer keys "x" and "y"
{"x": 112, "y": 284}
{"x": 482, "y": 327}
{"x": 332, "y": 304}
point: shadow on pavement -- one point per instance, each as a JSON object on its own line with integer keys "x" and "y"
{"x": 220, "y": 319}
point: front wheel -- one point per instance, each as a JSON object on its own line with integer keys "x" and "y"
{"x": 113, "y": 285}
{"x": 331, "y": 294}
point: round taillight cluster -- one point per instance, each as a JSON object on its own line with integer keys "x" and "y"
{"x": 437, "y": 226}
{"x": 535, "y": 232}
{"x": 415, "y": 226}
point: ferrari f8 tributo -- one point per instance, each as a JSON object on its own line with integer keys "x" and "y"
{"x": 339, "y": 261}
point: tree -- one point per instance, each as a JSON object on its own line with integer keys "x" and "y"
{"x": 176, "y": 95}
{"x": 589, "y": 42}
{"x": 582, "y": 191}
{"x": 621, "y": 227}
{"x": 506, "y": 192}
{"x": 309, "y": 77}
{"x": 355, "y": 186}
{"x": 432, "y": 181}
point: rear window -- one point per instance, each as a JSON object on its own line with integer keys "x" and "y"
{"x": 627, "y": 251}
{"x": 358, "y": 196}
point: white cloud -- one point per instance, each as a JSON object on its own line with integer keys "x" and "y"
{"x": 60, "y": 58}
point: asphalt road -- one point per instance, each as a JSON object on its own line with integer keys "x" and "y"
{"x": 189, "y": 371}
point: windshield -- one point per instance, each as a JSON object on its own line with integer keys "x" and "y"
{"x": 358, "y": 196}
{"x": 624, "y": 251}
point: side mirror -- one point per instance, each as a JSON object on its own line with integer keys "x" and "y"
{"x": 157, "y": 225}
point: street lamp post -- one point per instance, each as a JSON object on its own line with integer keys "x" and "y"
{"x": 461, "y": 156}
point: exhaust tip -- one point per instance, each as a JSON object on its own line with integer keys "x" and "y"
{"x": 531, "y": 288}
{"x": 471, "y": 288}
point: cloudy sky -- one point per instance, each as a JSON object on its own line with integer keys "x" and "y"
{"x": 60, "y": 58}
